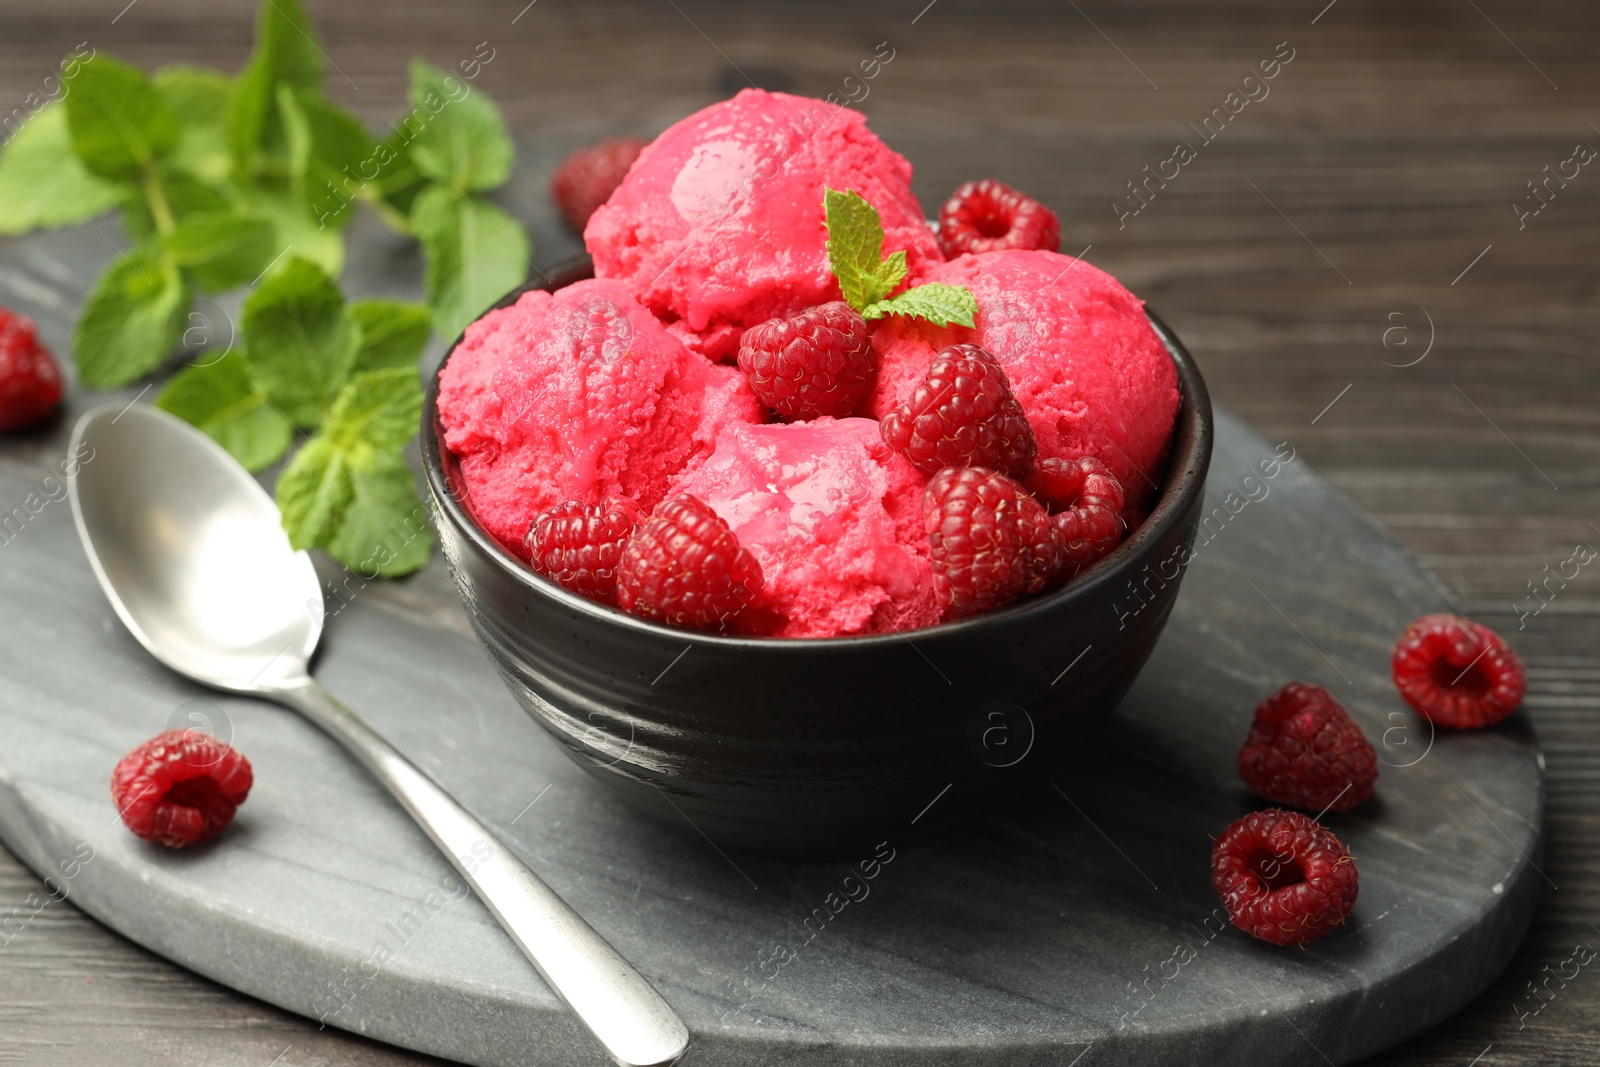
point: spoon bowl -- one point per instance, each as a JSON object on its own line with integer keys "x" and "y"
{"x": 191, "y": 553}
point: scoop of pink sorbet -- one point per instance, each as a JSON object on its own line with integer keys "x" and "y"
{"x": 720, "y": 223}
{"x": 1084, "y": 361}
{"x": 576, "y": 395}
{"x": 834, "y": 518}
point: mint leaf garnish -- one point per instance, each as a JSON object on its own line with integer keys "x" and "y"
{"x": 392, "y": 333}
{"x": 120, "y": 125}
{"x": 286, "y": 53}
{"x": 866, "y": 278}
{"x": 939, "y": 304}
{"x": 219, "y": 398}
{"x": 299, "y": 340}
{"x": 384, "y": 529}
{"x": 475, "y": 252}
{"x": 131, "y": 321}
{"x": 463, "y": 140}
{"x": 376, "y": 412}
{"x": 327, "y": 150}
{"x": 349, "y": 491}
{"x": 42, "y": 183}
{"x": 182, "y": 196}
{"x": 221, "y": 250}
{"x": 322, "y": 245}
{"x": 199, "y": 99}
{"x": 312, "y": 494}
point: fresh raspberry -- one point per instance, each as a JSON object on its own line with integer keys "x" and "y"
{"x": 1304, "y": 751}
{"x": 180, "y": 787}
{"x": 1088, "y": 499}
{"x": 683, "y": 565}
{"x": 1282, "y": 877}
{"x": 30, "y": 382}
{"x": 587, "y": 178}
{"x": 992, "y": 541}
{"x": 579, "y": 545}
{"x": 818, "y": 362}
{"x": 962, "y": 414}
{"x": 987, "y": 216}
{"x": 1457, "y": 672}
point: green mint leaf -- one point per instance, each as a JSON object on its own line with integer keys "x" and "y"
{"x": 939, "y": 304}
{"x": 299, "y": 340}
{"x": 199, "y": 98}
{"x": 132, "y": 320}
{"x": 392, "y": 333}
{"x": 476, "y": 253}
{"x": 890, "y": 273}
{"x": 222, "y": 250}
{"x": 313, "y": 492}
{"x": 855, "y": 246}
{"x": 298, "y": 233}
{"x": 327, "y": 149}
{"x": 120, "y": 125}
{"x": 286, "y": 53}
{"x": 376, "y": 412}
{"x": 42, "y": 183}
{"x": 384, "y": 530}
{"x": 185, "y": 196}
{"x": 393, "y": 173}
{"x": 458, "y": 136}
{"x": 219, "y": 398}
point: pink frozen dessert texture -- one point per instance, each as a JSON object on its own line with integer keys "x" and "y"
{"x": 834, "y": 518}
{"x": 574, "y": 396}
{"x": 720, "y": 223}
{"x": 1091, "y": 374}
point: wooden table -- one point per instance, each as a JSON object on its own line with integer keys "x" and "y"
{"x": 1381, "y": 167}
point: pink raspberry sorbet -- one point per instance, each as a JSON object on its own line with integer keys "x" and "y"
{"x": 720, "y": 223}
{"x": 1084, "y": 361}
{"x": 833, "y": 516}
{"x": 576, "y": 395}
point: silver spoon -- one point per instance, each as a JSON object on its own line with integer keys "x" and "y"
{"x": 191, "y": 553}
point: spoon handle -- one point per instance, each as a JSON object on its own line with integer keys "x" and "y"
{"x": 637, "y": 1027}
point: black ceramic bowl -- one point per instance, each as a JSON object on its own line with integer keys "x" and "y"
{"x": 826, "y": 746}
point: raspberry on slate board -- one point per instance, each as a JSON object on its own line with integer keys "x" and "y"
{"x": 587, "y": 178}
{"x": 30, "y": 381}
{"x": 818, "y": 362}
{"x": 1457, "y": 672}
{"x": 180, "y": 787}
{"x": 1283, "y": 878}
{"x": 1304, "y": 751}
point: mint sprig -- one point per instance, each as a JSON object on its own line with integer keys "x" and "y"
{"x": 249, "y": 180}
{"x": 866, "y": 277}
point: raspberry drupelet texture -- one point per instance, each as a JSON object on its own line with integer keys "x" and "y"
{"x": 1089, "y": 503}
{"x": 986, "y": 216}
{"x": 991, "y": 540}
{"x": 180, "y": 787}
{"x": 1304, "y": 751}
{"x": 962, "y": 414}
{"x": 587, "y": 178}
{"x": 30, "y": 382}
{"x": 579, "y": 545}
{"x": 819, "y": 362}
{"x": 1283, "y": 878}
{"x": 1457, "y": 672}
{"x": 683, "y": 565}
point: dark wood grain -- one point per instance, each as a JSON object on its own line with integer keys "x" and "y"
{"x": 1384, "y": 160}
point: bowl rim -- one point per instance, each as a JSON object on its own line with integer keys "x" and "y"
{"x": 1187, "y": 465}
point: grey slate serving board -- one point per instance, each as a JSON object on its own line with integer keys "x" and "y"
{"x": 1077, "y": 927}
